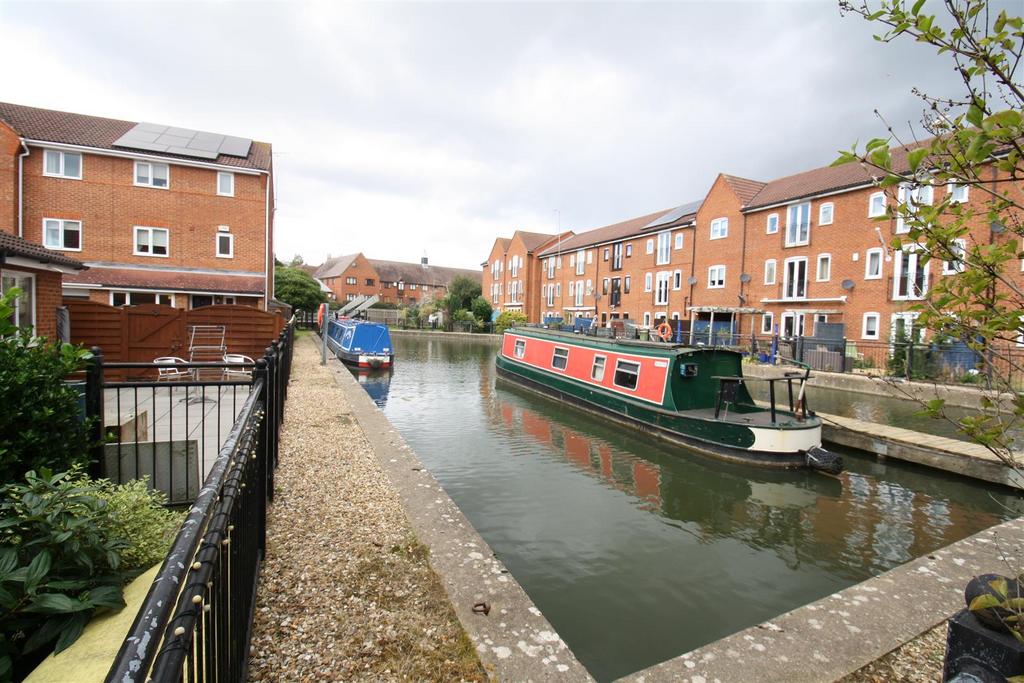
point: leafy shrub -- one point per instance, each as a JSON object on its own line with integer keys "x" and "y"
{"x": 58, "y": 564}
{"x": 135, "y": 512}
{"x": 509, "y": 319}
{"x": 40, "y": 424}
{"x": 482, "y": 309}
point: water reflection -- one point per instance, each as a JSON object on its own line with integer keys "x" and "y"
{"x": 375, "y": 382}
{"x": 845, "y": 524}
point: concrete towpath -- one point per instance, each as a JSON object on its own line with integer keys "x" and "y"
{"x": 346, "y": 591}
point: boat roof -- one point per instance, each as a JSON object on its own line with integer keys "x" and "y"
{"x": 630, "y": 344}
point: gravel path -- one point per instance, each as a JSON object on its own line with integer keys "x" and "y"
{"x": 346, "y": 591}
{"x": 918, "y": 661}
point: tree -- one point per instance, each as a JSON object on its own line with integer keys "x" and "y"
{"x": 509, "y": 319}
{"x": 297, "y": 288}
{"x": 482, "y": 309}
{"x": 296, "y": 261}
{"x": 462, "y": 290}
{"x": 975, "y": 150}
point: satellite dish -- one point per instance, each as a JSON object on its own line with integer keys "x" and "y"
{"x": 692, "y": 280}
{"x": 847, "y": 284}
{"x": 745, "y": 278}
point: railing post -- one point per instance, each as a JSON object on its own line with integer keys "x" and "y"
{"x": 271, "y": 357}
{"x": 94, "y": 411}
{"x": 842, "y": 352}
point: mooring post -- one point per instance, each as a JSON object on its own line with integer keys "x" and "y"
{"x": 323, "y": 337}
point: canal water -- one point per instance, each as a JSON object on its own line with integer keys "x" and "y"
{"x": 638, "y": 551}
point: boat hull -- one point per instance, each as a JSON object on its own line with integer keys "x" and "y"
{"x": 723, "y": 440}
{"x": 362, "y": 360}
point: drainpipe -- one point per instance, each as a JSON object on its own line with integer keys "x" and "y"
{"x": 21, "y": 188}
{"x": 267, "y": 294}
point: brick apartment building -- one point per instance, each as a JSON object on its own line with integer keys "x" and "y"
{"x": 148, "y": 213}
{"x": 352, "y": 276}
{"x": 752, "y": 257}
{"x": 511, "y": 273}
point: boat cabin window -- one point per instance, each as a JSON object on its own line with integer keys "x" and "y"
{"x": 626, "y": 374}
{"x": 520, "y": 349}
{"x": 597, "y": 372}
{"x": 560, "y": 359}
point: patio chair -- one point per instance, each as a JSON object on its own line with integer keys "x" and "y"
{"x": 170, "y": 370}
{"x": 206, "y": 345}
{"x": 240, "y": 372}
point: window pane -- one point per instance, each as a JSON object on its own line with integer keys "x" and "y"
{"x": 72, "y": 234}
{"x": 52, "y": 238}
{"x": 142, "y": 173}
{"x": 73, "y": 165}
{"x": 626, "y": 372}
{"x": 52, "y": 162}
{"x": 142, "y": 241}
{"x": 597, "y": 372}
{"x": 224, "y": 245}
{"x": 226, "y": 183}
{"x": 159, "y": 241}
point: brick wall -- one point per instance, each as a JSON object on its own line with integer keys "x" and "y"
{"x": 361, "y": 270}
{"x": 10, "y": 148}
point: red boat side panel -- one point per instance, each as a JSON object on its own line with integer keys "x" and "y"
{"x": 539, "y": 352}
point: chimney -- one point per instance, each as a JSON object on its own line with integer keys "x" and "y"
{"x": 423, "y": 261}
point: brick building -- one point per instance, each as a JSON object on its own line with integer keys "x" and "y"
{"x": 512, "y": 274}
{"x": 352, "y": 276}
{"x": 157, "y": 214}
{"x": 755, "y": 257}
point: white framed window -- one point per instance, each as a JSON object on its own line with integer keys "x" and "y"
{"x": 869, "y": 327}
{"x": 677, "y": 280}
{"x": 560, "y": 358}
{"x": 719, "y": 228}
{"x": 225, "y": 243}
{"x": 664, "y": 248}
{"x": 957, "y": 249}
{"x": 617, "y": 256}
{"x": 225, "y": 184}
{"x": 825, "y": 213}
{"x": 876, "y": 205}
{"x": 627, "y": 373}
{"x": 627, "y": 280}
{"x": 913, "y": 196}
{"x": 25, "y": 305}
{"x": 590, "y": 257}
{"x": 152, "y": 241}
{"x": 716, "y": 277}
{"x": 551, "y": 295}
{"x": 350, "y": 281}
{"x": 661, "y": 290}
{"x": 798, "y": 224}
{"x": 581, "y": 264}
{"x": 648, "y": 282}
{"x": 794, "y": 280}
{"x": 958, "y": 193}
{"x": 126, "y": 298}
{"x": 679, "y": 240}
{"x": 873, "y": 264}
{"x": 597, "y": 369}
{"x": 769, "y": 271}
{"x": 558, "y": 289}
{"x": 62, "y": 235}
{"x": 767, "y": 323}
{"x": 650, "y": 247}
{"x": 629, "y": 250}
{"x": 910, "y": 276}
{"x": 149, "y": 174}
{"x": 579, "y": 293}
{"x": 647, "y": 319}
{"x": 58, "y": 164}
{"x": 590, "y": 287}
{"x": 607, "y": 253}
{"x": 551, "y": 268}
{"x": 520, "y": 348}
{"x": 772, "y": 224}
{"x": 824, "y": 271}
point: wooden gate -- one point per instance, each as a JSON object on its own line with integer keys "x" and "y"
{"x": 141, "y": 333}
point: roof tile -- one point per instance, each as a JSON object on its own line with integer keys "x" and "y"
{"x": 16, "y": 246}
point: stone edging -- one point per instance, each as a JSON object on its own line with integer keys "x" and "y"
{"x": 514, "y": 641}
{"x": 440, "y": 334}
{"x": 837, "y": 635}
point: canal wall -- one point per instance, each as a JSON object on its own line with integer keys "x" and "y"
{"x": 440, "y": 334}
{"x": 837, "y": 635}
{"x": 953, "y": 395}
{"x": 512, "y": 638}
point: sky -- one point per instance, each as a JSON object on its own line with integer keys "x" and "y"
{"x": 409, "y": 129}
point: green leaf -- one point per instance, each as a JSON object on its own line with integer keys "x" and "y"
{"x": 984, "y": 601}
{"x": 37, "y": 569}
{"x": 5, "y": 667}
{"x": 71, "y": 632}
{"x": 915, "y": 156}
{"x": 55, "y": 603}
{"x": 999, "y": 586}
{"x": 7, "y": 600}
{"x": 8, "y": 561}
{"x": 48, "y": 631}
{"x": 107, "y": 596}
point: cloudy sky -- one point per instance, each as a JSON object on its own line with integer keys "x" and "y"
{"x": 404, "y": 129}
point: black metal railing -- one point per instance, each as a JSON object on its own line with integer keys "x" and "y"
{"x": 195, "y": 622}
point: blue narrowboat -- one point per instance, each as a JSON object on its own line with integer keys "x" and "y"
{"x": 360, "y": 343}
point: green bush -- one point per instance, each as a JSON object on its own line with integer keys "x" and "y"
{"x": 136, "y": 513}
{"x": 509, "y": 319}
{"x": 40, "y": 424}
{"x": 58, "y": 564}
{"x": 482, "y": 309}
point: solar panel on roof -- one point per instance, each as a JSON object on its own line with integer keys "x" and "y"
{"x": 153, "y": 137}
{"x": 674, "y": 215}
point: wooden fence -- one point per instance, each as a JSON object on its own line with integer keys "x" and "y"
{"x": 137, "y": 334}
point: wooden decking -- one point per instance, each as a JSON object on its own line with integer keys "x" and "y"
{"x": 961, "y": 457}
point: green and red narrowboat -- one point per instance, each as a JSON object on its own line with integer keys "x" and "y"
{"x": 692, "y": 395}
